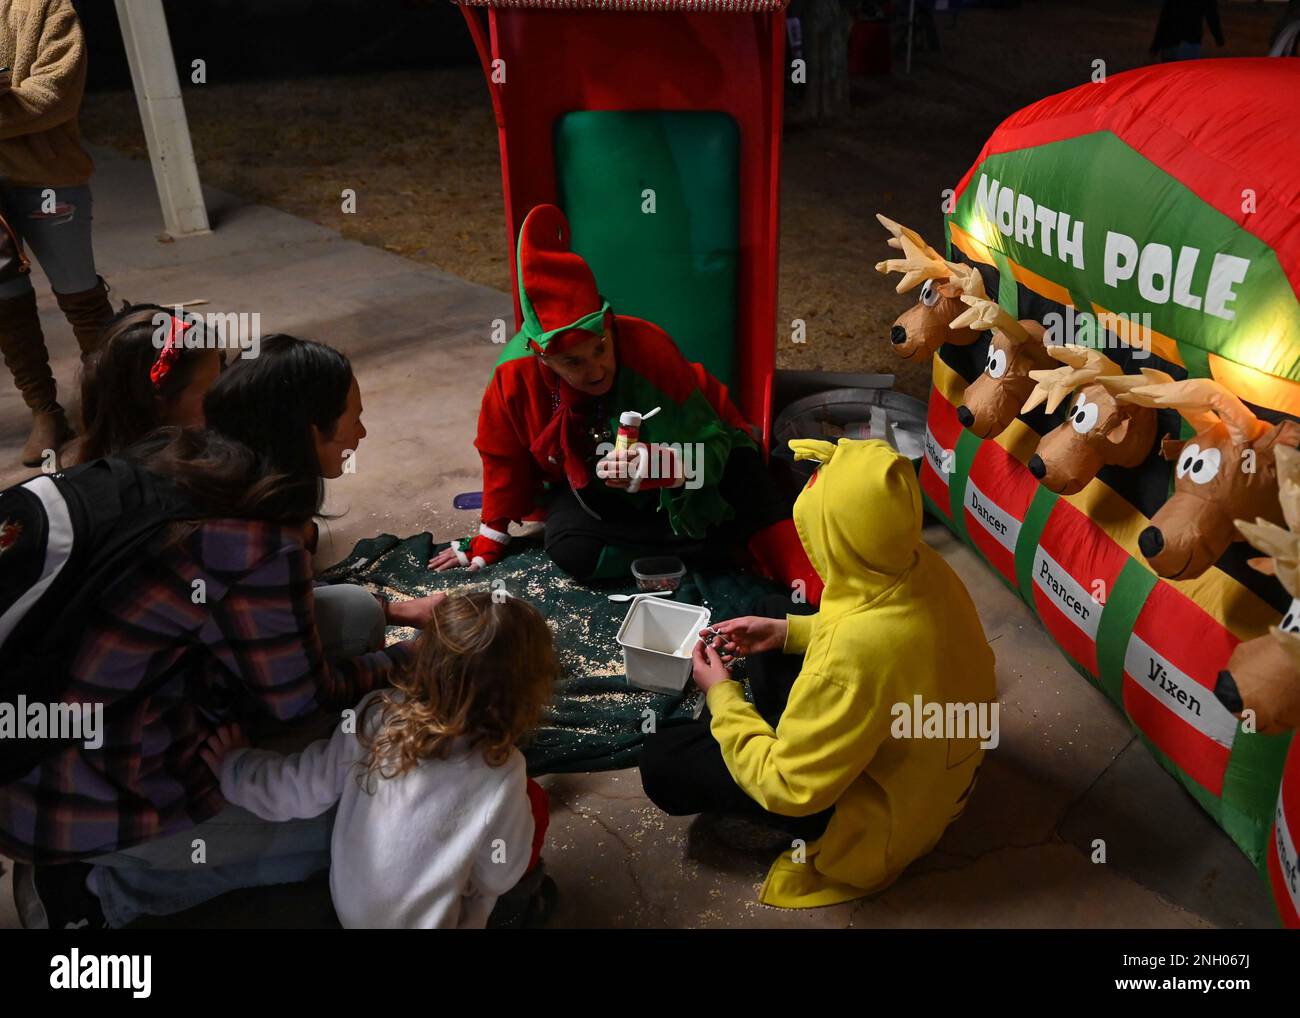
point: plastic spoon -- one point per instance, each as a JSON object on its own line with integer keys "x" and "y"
{"x": 633, "y": 597}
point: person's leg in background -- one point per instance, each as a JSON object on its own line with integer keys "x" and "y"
{"x": 56, "y": 224}
{"x": 23, "y": 345}
{"x": 60, "y": 241}
{"x": 161, "y": 877}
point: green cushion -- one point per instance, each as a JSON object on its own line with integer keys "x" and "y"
{"x": 676, "y": 267}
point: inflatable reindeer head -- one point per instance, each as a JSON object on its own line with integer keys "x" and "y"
{"x": 922, "y": 329}
{"x": 1225, "y": 471}
{"x": 992, "y": 401}
{"x": 1099, "y": 430}
{"x": 1263, "y": 674}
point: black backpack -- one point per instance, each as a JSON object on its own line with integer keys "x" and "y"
{"x": 65, "y": 538}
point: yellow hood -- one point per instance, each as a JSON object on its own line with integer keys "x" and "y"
{"x": 859, "y": 517}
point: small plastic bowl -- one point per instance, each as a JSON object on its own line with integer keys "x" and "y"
{"x": 663, "y": 573}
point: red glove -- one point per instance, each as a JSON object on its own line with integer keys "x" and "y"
{"x": 485, "y": 548}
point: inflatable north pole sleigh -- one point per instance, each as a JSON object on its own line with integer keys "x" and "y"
{"x": 1116, "y": 361}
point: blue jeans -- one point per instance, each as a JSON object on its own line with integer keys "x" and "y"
{"x": 163, "y": 876}
{"x": 59, "y": 239}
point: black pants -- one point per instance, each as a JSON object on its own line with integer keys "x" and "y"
{"x": 682, "y": 770}
{"x": 575, "y": 538}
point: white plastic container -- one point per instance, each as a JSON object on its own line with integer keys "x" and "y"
{"x": 658, "y": 638}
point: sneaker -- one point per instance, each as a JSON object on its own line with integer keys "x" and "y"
{"x": 56, "y": 898}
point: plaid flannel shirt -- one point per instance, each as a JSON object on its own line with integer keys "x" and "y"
{"x": 249, "y": 643}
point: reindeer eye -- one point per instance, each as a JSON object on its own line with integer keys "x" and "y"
{"x": 930, "y": 293}
{"x": 1084, "y": 416}
{"x": 996, "y": 365}
{"x": 1291, "y": 621}
{"x": 1201, "y": 465}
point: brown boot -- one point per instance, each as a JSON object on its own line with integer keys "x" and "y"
{"x": 87, "y": 312}
{"x": 25, "y": 355}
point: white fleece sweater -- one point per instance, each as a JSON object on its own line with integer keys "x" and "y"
{"x": 434, "y": 847}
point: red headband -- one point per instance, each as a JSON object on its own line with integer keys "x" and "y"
{"x": 168, "y": 355}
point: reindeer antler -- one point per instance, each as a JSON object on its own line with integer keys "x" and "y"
{"x": 1201, "y": 402}
{"x": 921, "y": 262}
{"x": 1281, "y": 545}
{"x": 1117, "y": 384}
{"x": 1082, "y": 365}
{"x": 899, "y": 232}
{"x": 1282, "y": 548}
{"x": 986, "y": 314}
{"x": 968, "y": 278}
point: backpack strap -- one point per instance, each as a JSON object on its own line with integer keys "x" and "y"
{"x": 38, "y": 509}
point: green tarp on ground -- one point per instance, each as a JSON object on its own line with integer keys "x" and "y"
{"x": 596, "y": 720}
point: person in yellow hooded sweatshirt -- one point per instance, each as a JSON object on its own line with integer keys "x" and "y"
{"x": 829, "y": 757}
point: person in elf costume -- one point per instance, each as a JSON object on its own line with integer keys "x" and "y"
{"x": 547, "y": 428}
{"x": 819, "y": 752}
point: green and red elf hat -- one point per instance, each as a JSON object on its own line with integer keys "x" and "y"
{"x": 557, "y": 292}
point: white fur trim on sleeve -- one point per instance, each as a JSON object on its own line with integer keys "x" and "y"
{"x": 493, "y": 535}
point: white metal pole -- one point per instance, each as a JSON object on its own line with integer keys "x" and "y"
{"x": 162, "y": 111}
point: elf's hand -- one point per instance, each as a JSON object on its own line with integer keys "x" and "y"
{"x": 616, "y": 469}
{"x": 707, "y": 667}
{"x": 485, "y": 548}
{"x": 663, "y": 468}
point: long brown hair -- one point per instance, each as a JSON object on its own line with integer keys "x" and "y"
{"x": 484, "y": 669}
{"x": 222, "y": 478}
{"x": 119, "y": 402}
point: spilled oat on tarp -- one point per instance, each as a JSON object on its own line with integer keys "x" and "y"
{"x": 596, "y": 720}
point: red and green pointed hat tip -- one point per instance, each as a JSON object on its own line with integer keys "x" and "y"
{"x": 557, "y": 291}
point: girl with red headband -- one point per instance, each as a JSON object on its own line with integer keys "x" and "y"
{"x": 145, "y": 375}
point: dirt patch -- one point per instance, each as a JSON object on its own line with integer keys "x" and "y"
{"x": 420, "y": 149}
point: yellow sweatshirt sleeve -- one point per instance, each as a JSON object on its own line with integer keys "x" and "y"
{"x": 799, "y": 630}
{"x": 50, "y": 94}
{"x": 826, "y": 737}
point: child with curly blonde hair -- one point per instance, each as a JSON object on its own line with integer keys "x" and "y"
{"x": 436, "y": 816}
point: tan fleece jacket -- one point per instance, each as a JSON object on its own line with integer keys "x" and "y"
{"x": 40, "y": 145}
